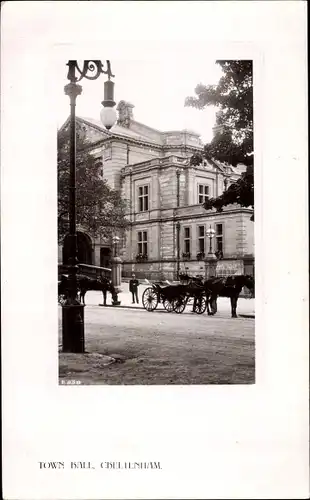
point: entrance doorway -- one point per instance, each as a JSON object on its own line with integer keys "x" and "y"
{"x": 105, "y": 257}
{"x": 84, "y": 249}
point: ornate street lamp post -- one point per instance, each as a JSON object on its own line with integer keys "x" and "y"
{"x": 73, "y": 310}
{"x": 178, "y": 249}
{"x": 115, "y": 241}
{"x": 210, "y": 233}
{"x": 116, "y": 262}
{"x": 210, "y": 260}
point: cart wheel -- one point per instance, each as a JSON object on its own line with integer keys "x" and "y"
{"x": 150, "y": 299}
{"x": 201, "y": 305}
{"x": 179, "y": 305}
{"x": 168, "y": 305}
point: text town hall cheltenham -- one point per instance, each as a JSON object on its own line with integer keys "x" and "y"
{"x": 168, "y": 222}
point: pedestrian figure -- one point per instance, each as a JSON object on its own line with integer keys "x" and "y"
{"x": 133, "y": 288}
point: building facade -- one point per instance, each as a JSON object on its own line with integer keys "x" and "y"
{"x": 165, "y": 194}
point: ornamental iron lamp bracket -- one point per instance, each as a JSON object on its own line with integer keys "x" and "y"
{"x": 94, "y": 67}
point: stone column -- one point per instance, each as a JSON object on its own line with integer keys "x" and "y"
{"x": 210, "y": 265}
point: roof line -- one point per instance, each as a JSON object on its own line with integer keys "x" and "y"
{"x": 167, "y": 131}
{"x": 219, "y": 167}
{"x": 147, "y": 126}
{"x": 106, "y": 132}
{"x": 64, "y": 124}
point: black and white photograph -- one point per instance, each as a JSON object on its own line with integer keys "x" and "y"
{"x": 154, "y": 244}
{"x": 156, "y": 270}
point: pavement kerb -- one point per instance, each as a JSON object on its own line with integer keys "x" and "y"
{"x": 122, "y": 307}
{"x": 141, "y": 308}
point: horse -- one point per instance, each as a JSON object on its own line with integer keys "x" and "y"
{"x": 185, "y": 278}
{"x": 85, "y": 284}
{"x": 103, "y": 285}
{"x": 226, "y": 287}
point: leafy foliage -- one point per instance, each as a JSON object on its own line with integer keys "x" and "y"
{"x": 99, "y": 209}
{"x": 233, "y": 144}
{"x": 241, "y": 192}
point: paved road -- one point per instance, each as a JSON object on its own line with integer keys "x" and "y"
{"x": 165, "y": 348}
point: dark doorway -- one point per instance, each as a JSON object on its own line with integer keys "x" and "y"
{"x": 84, "y": 246}
{"x": 105, "y": 257}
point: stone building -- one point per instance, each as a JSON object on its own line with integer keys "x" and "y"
{"x": 165, "y": 194}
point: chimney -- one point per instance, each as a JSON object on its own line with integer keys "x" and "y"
{"x": 125, "y": 113}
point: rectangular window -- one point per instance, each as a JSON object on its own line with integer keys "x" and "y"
{"x": 203, "y": 193}
{"x": 201, "y": 239}
{"x": 99, "y": 168}
{"x": 219, "y": 237}
{"x": 187, "y": 240}
{"x": 143, "y": 196}
{"x": 142, "y": 242}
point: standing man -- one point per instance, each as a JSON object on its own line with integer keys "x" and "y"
{"x": 133, "y": 288}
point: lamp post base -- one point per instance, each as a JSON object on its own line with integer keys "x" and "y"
{"x": 116, "y": 264}
{"x": 73, "y": 328}
{"x": 210, "y": 265}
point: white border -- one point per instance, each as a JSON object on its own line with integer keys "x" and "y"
{"x": 214, "y": 442}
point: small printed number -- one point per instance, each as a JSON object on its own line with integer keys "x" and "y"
{"x": 70, "y": 382}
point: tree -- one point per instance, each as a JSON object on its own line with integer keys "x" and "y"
{"x": 99, "y": 209}
{"x": 233, "y": 144}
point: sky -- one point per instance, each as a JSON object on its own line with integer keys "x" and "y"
{"x": 156, "y": 87}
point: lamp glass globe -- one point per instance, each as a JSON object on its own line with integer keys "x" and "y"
{"x": 108, "y": 117}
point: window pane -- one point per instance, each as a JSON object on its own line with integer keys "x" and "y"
{"x": 146, "y": 189}
{"x": 200, "y": 200}
{"x": 201, "y": 245}
{"x": 186, "y": 232}
{"x": 140, "y": 248}
{"x": 219, "y": 228}
{"x": 145, "y": 248}
{"x": 140, "y": 204}
{"x": 140, "y": 191}
{"x": 144, "y": 235}
{"x": 146, "y": 203}
{"x": 201, "y": 231}
{"x": 187, "y": 246}
{"x": 206, "y": 190}
{"x": 200, "y": 187}
{"x": 139, "y": 236}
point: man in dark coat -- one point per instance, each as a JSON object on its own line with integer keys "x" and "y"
{"x": 133, "y": 288}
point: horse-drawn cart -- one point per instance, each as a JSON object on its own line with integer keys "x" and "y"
{"x": 174, "y": 297}
{"x": 88, "y": 278}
